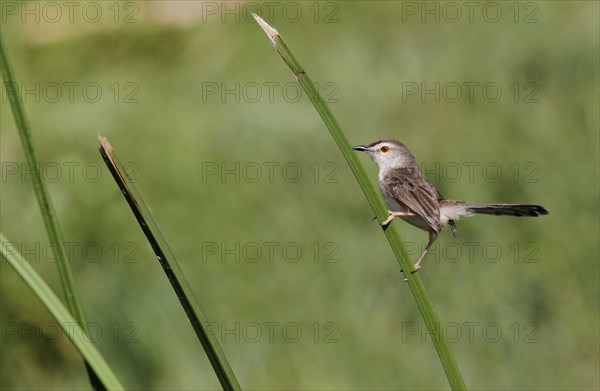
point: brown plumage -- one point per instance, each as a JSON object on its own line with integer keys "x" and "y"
{"x": 410, "y": 196}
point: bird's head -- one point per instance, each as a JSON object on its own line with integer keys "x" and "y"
{"x": 387, "y": 153}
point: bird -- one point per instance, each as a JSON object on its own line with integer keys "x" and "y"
{"x": 410, "y": 196}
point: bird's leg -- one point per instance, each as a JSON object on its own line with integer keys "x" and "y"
{"x": 393, "y": 214}
{"x": 432, "y": 237}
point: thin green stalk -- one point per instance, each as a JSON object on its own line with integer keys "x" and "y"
{"x": 41, "y": 192}
{"x": 169, "y": 263}
{"x": 414, "y": 280}
{"x": 70, "y": 327}
{"x": 49, "y": 215}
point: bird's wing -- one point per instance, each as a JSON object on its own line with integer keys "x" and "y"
{"x": 410, "y": 187}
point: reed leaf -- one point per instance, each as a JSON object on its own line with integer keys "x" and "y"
{"x": 414, "y": 280}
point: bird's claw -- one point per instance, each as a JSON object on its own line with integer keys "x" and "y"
{"x": 412, "y": 272}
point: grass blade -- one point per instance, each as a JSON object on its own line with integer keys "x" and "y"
{"x": 171, "y": 267}
{"x": 418, "y": 290}
{"x": 41, "y": 192}
{"x": 66, "y": 321}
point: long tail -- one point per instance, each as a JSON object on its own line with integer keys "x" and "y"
{"x": 451, "y": 210}
{"x": 507, "y": 209}
{"x": 454, "y": 210}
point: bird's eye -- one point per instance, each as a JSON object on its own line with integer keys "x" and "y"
{"x": 384, "y": 149}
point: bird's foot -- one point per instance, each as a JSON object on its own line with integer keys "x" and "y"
{"x": 392, "y": 215}
{"x": 416, "y": 269}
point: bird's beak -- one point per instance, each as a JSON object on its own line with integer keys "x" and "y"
{"x": 360, "y": 148}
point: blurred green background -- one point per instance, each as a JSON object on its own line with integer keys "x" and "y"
{"x": 499, "y": 101}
